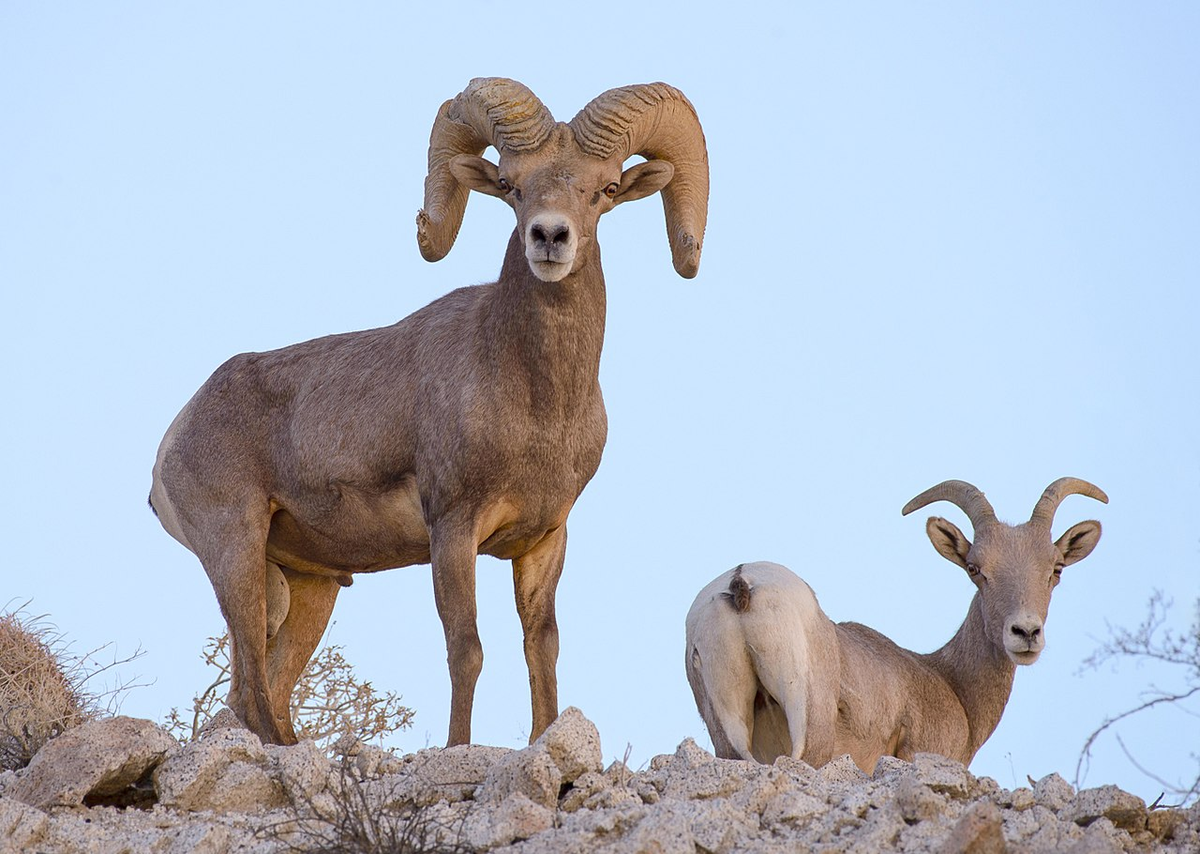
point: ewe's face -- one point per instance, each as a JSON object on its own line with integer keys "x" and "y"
{"x": 558, "y": 194}
{"x": 1016, "y": 568}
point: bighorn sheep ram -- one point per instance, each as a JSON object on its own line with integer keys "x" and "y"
{"x": 470, "y": 427}
{"x": 772, "y": 675}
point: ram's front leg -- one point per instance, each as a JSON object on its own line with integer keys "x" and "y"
{"x": 535, "y": 580}
{"x": 452, "y": 550}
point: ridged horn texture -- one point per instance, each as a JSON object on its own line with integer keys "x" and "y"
{"x": 658, "y": 122}
{"x": 490, "y": 111}
{"x": 1043, "y": 512}
{"x": 958, "y": 492}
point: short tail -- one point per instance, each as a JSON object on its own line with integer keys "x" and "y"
{"x": 738, "y": 593}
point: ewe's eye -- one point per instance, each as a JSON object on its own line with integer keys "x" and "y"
{"x": 611, "y": 189}
{"x": 972, "y": 570}
{"x": 504, "y": 185}
{"x": 1057, "y": 574}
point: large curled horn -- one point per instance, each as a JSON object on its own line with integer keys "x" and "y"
{"x": 959, "y": 492}
{"x": 1043, "y": 512}
{"x": 658, "y": 122}
{"x": 490, "y": 111}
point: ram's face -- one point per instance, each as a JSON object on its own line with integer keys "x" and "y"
{"x": 558, "y": 194}
{"x": 558, "y": 197}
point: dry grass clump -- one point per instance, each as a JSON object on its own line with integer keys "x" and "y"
{"x": 40, "y": 692}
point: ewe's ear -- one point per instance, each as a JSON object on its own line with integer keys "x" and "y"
{"x": 477, "y": 174}
{"x": 643, "y": 179}
{"x": 1078, "y": 542}
{"x": 948, "y": 540}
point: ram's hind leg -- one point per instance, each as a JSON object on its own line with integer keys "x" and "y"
{"x": 311, "y": 600}
{"x": 535, "y": 581}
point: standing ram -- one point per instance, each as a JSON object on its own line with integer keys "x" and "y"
{"x": 772, "y": 675}
{"x": 470, "y": 427}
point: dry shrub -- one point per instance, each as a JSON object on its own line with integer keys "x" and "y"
{"x": 359, "y": 821}
{"x": 329, "y": 702}
{"x": 40, "y": 694}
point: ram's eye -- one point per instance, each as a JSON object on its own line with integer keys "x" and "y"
{"x": 1057, "y": 573}
{"x": 972, "y": 570}
{"x": 611, "y": 190}
{"x": 504, "y": 185}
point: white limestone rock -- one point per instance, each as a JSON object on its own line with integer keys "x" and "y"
{"x": 93, "y": 761}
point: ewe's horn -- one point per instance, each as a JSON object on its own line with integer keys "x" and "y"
{"x": 1043, "y": 512}
{"x": 959, "y": 492}
{"x": 658, "y": 122}
{"x": 490, "y": 111}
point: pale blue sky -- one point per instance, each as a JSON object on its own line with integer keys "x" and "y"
{"x": 945, "y": 240}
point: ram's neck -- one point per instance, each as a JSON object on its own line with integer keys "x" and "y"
{"x": 550, "y": 333}
{"x": 979, "y": 674}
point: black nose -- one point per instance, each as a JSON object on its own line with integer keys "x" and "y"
{"x": 1027, "y": 634}
{"x": 555, "y": 234}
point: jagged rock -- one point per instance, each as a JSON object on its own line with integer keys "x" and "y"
{"x": 688, "y": 801}
{"x": 979, "y": 831}
{"x": 567, "y": 749}
{"x": 669, "y": 829}
{"x": 515, "y": 818}
{"x": 916, "y": 801}
{"x": 792, "y": 807}
{"x": 372, "y": 761}
{"x": 943, "y": 775}
{"x": 1121, "y": 808}
{"x": 91, "y": 762}
{"x": 692, "y": 773}
{"x": 1099, "y": 838}
{"x": 531, "y": 772}
{"x": 301, "y": 769}
{"x": 889, "y": 769}
{"x": 453, "y": 772}
{"x": 1162, "y": 823}
{"x": 1053, "y": 792}
{"x": 225, "y": 718}
{"x": 585, "y": 787}
{"x": 574, "y": 744}
{"x": 842, "y": 770}
{"x": 1018, "y": 799}
{"x": 21, "y": 826}
{"x": 224, "y": 771}
{"x": 618, "y": 773}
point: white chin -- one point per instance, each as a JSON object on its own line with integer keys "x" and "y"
{"x": 1028, "y": 656}
{"x": 549, "y": 271}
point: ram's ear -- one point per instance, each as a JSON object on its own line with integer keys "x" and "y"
{"x": 950, "y": 542}
{"x": 643, "y": 179}
{"x": 477, "y": 174}
{"x": 1078, "y": 542}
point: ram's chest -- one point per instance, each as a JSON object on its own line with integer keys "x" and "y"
{"x": 544, "y": 457}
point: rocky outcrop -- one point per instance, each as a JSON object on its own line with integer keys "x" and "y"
{"x": 227, "y": 792}
{"x": 92, "y": 763}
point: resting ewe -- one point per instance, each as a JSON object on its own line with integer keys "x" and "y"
{"x": 773, "y": 675}
{"x": 471, "y": 426}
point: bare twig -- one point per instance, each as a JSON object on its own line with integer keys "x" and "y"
{"x": 1154, "y": 641}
